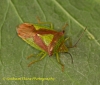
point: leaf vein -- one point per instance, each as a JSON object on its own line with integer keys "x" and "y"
{"x": 16, "y": 11}
{"x": 2, "y": 25}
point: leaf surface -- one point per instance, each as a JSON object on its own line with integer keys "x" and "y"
{"x": 13, "y": 50}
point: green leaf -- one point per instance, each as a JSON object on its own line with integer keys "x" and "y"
{"x": 79, "y": 14}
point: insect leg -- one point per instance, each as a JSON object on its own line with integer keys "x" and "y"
{"x": 30, "y": 56}
{"x": 51, "y": 25}
{"x": 58, "y": 59}
{"x": 44, "y": 54}
{"x": 69, "y": 44}
{"x": 33, "y": 55}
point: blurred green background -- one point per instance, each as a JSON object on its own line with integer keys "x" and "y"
{"x": 79, "y": 14}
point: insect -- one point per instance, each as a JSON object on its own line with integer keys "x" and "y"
{"x": 45, "y": 39}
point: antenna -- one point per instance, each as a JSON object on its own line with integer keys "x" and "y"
{"x": 79, "y": 39}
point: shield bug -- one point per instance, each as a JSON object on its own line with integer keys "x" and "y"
{"x": 45, "y": 39}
